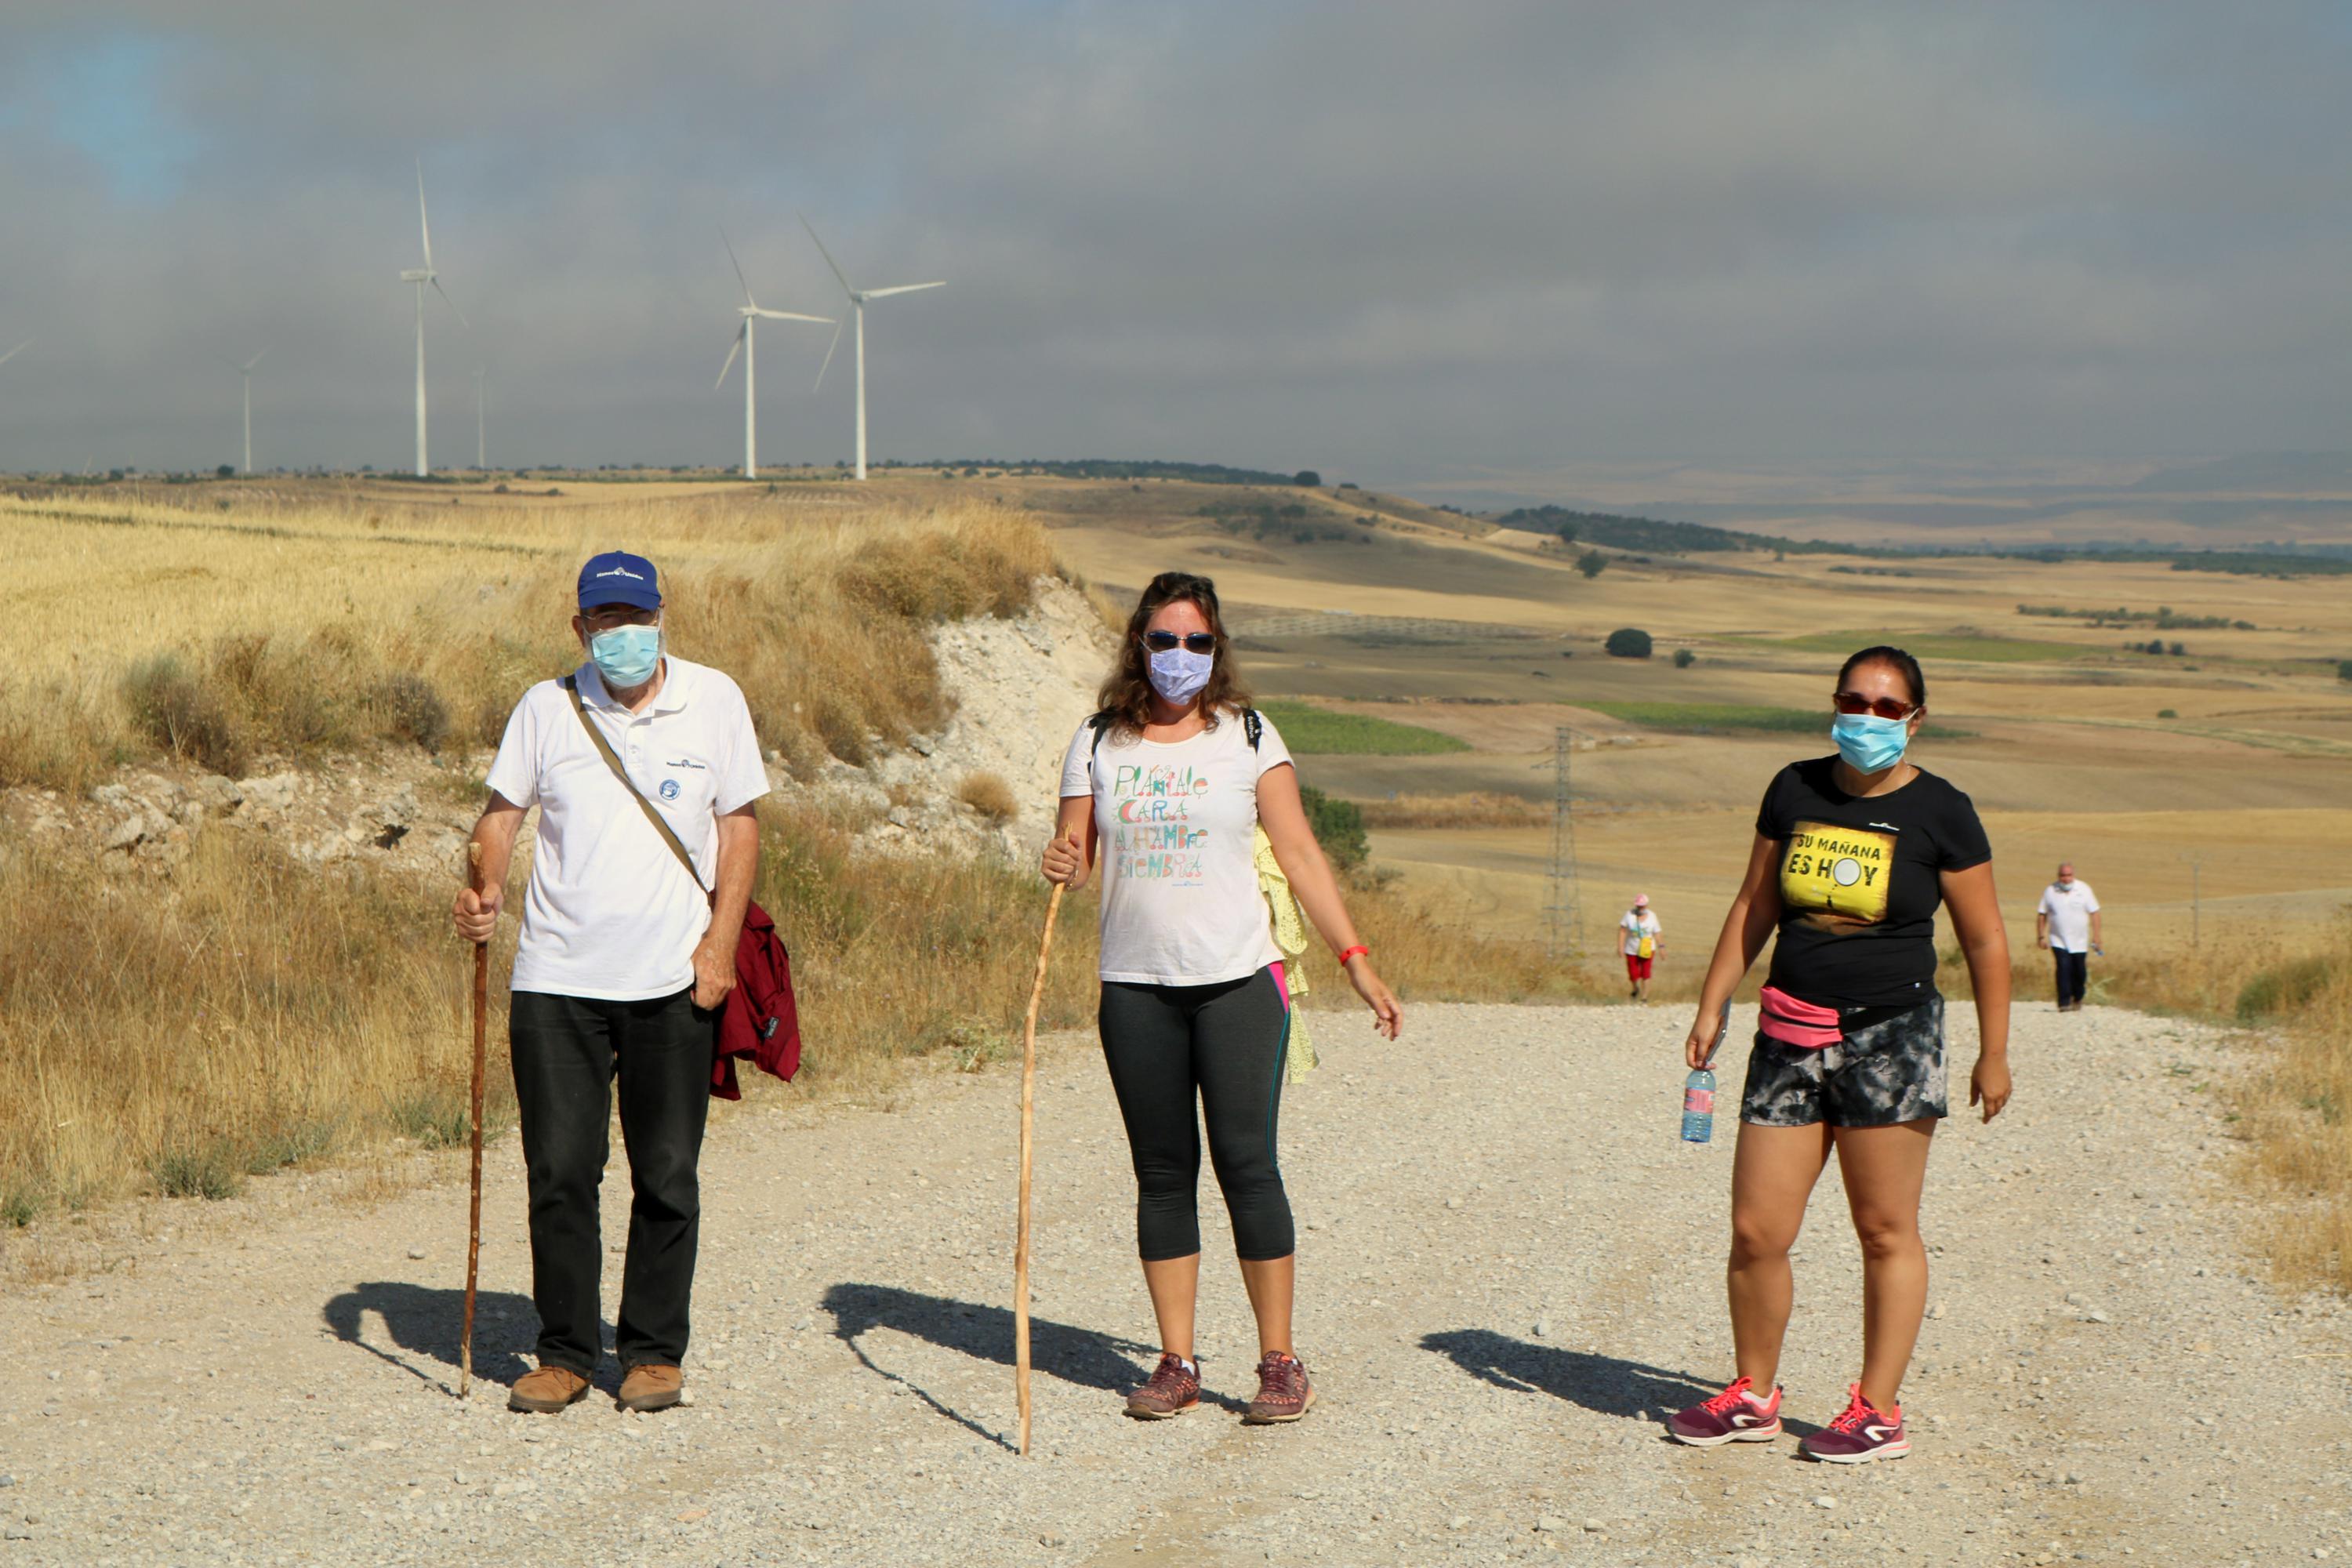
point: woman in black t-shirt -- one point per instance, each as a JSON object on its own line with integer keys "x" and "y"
{"x": 1853, "y": 855}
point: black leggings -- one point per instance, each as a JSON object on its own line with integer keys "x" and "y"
{"x": 1165, "y": 1044}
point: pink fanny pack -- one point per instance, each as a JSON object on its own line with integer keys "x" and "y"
{"x": 1796, "y": 1023}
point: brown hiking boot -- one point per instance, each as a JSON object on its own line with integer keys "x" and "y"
{"x": 546, "y": 1391}
{"x": 1174, "y": 1388}
{"x": 1283, "y": 1392}
{"x": 651, "y": 1387}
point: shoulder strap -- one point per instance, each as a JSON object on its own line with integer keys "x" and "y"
{"x": 604, "y": 750}
{"x": 1100, "y": 724}
{"x": 1253, "y": 726}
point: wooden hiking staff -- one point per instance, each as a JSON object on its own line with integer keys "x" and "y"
{"x": 474, "y": 1222}
{"x": 1028, "y": 1105}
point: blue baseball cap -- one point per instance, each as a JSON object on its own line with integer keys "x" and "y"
{"x": 618, "y": 577}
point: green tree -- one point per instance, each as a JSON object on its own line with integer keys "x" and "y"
{"x": 1628, "y": 642}
{"x": 1307, "y": 477}
{"x": 1685, "y": 659}
{"x": 1591, "y": 563}
{"x": 2344, "y": 669}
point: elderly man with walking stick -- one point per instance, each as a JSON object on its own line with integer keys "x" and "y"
{"x": 625, "y": 955}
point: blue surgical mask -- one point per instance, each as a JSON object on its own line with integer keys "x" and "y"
{"x": 1179, "y": 674}
{"x": 1869, "y": 742}
{"x": 627, "y": 655}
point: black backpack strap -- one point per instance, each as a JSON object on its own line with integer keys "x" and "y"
{"x": 1253, "y": 726}
{"x": 1100, "y": 724}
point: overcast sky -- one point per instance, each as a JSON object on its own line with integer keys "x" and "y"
{"x": 1403, "y": 243}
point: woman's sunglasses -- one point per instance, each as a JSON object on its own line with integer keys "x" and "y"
{"x": 1193, "y": 642}
{"x": 1885, "y": 706}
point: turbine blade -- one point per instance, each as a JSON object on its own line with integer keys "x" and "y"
{"x": 451, "y": 303}
{"x": 423, "y": 222}
{"x": 255, "y": 360}
{"x": 738, "y": 266}
{"x": 792, "y": 316}
{"x": 829, "y": 261}
{"x": 732, "y": 350}
{"x": 828, "y": 358}
{"x": 12, "y": 354}
{"x": 903, "y": 288}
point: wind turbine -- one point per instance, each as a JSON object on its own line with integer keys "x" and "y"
{"x": 481, "y": 429}
{"x": 244, "y": 373}
{"x": 751, "y": 311}
{"x": 857, "y": 298}
{"x": 421, "y": 276}
{"x": 12, "y": 354}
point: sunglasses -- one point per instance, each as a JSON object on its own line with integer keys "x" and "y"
{"x": 1193, "y": 642}
{"x": 1885, "y": 706}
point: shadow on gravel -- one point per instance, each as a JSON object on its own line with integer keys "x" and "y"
{"x": 1082, "y": 1356}
{"x": 1601, "y": 1384}
{"x": 427, "y": 1321}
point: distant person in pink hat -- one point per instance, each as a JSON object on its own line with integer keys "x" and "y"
{"x": 1644, "y": 939}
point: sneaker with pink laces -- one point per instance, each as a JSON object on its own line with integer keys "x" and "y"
{"x": 1174, "y": 1388}
{"x": 1734, "y": 1415}
{"x": 1861, "y": 1434}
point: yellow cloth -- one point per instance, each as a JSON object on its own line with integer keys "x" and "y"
{"x": 1290, "y": 936}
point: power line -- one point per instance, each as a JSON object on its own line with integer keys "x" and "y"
{"x": 1563, "y": 908}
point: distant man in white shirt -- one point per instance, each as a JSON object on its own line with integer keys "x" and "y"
{"x": 624, "y": 962}
{"x": 1644, "y": 939}
{"x": 2067, "y": 923}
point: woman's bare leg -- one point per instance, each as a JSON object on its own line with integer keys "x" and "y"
{"x": 1773, "y": 1170}
{"x": 1175, "y": 1287}
{"x": 1271, "y": 1282}
{"x": 1885, "y": 1169}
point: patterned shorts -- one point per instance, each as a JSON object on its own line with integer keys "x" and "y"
{"x": 1878, "y": 1076}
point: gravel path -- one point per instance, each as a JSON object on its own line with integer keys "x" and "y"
{"x": 1510, "y": 1269}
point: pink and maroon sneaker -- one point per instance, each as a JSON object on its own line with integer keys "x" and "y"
{"x": 1174, "y": 1388}
{"x": 1861, "y": 1434}
{"x": 1734, "y": 1415}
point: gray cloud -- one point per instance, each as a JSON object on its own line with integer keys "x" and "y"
{"x": 1408, "y": 242}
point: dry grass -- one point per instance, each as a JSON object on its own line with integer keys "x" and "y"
{"x": 294, "y": 628}
{"x": 990, "y": 795}
{"x": 1478, "y": 808}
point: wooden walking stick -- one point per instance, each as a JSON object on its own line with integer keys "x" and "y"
{"x": 1020, "y": 1241}
{"x": 474, "y": 1222}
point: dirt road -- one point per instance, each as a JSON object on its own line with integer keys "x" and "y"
{"x": 1511, "y": 1269}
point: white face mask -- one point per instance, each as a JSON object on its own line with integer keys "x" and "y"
{"x": 1179, "y": 674}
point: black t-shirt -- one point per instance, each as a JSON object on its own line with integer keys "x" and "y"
{"x": 1859, "y": 885}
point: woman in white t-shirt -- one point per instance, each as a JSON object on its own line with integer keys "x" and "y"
{"x": 1166, "y": 788}
{"x": 1644, "y": 939}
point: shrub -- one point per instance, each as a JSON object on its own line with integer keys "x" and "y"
{"x": 1338, "y": 827}
{"x": 1307, "y": 477}
{"x": 410, "y": 710}
{"x": 2167, "y": 713}
{"x": 185, "y": 716}
{"x": 2344, "y": 669}
{"x": 1591, "y": 563}
{"x": 990, "y": 795}
{"x": 199, "y": 1170}
{"x": 1628, "y": 642}
{"x": 2283, "y": 988}
{"x": 1685, "y": 659}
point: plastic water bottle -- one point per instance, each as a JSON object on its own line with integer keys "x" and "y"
{"x": 1698, "y": 1106}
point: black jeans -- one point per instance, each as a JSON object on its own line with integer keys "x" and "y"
{"x": 2073, "y": 975}
{"x": 1225, "y": 1043}
{"x": 566, "y": 1052}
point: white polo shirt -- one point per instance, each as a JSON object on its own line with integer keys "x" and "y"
{"x": 609, "y": 912}
{"x": 2070, "y": 910}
